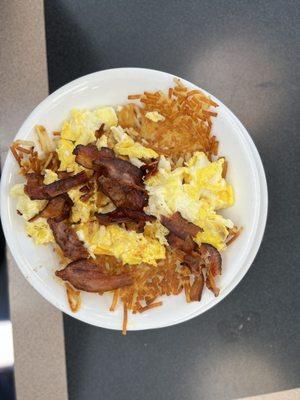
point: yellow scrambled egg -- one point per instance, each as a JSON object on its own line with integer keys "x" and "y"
{"x": 81, "y": 126}
{"x": 81, "y": 210}
{"x": 40, "y": 231}
{"x": 196, "y": 191}
{"x": 66, "y": 157}
{"x": 50, "y": 177}
{"x": 80, "y": 129}
{"x": 128, "y": 246}
{"x": 28, "y": 208}
{"x": 156, "y": 230}
{"x": 102, "y": 142}
{"x": 126, "y": 146}
{"x": 154, "y": 116}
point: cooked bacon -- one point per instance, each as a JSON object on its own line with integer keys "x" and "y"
{"x": 86, "y": 155}
{"x": 197, "y": 288}
{"x": 187, "y": 245}
{"x": 34, "y": 187}
{"x": 36, "y": 192}
{"x": 122, "y": 195}
{"x": 106, "y": 152}
{"x": 68, "y": 241}
{"x": 210, "y": 283}
{"x": 64, "y": 185}
{"x": 194, "y": 262}
{"x": 64, "y": 174}
{"x": 121, "y": 170}
{"x": 58, "y": 209}
{"x": 87, "y": 276}
{"x": 123, "y": 215}
{"x": 84, "y": 189}
{"x": 205, "y": 256}
{"x": 150, "y": 169}
{"x": 99, "y": 132}
{"x": 196, "y": 258}
{"x": 212, "y": 258}
{"x": 34, "y": 179}
{"x": 180, "y": 226}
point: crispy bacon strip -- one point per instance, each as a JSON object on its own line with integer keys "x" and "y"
{"x": 64, "y": 185}
{"x": 122, "y": 195}
{"x": 196, "y": 258}
{"x": 87, "y": 276}
{"x": 121, "y": 170}
{"x": 86, "y": 155}
{"x": 205, "y": 256}
{"x": 99, "y": 132}
{"x": 150, "y": 169}
{"x": 210, "y": 284}
{"x": 34, "y": 187}
{"x": 197, "y": 288}
{"x": 180, "y": 226}
{"x": 212, "y": 258}
{"x": 123, "y": 215}
{"x": 187, "y": 245}
{"x": 68, "y": 241}
{"x": 64, "y": 174}
{"x": 194, "y": 262}
{"x": 58, "y": 209}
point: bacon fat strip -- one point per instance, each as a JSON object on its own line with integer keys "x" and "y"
{"x": 122, "y": 195}
{"x": 87, "y": 276}
{"x": 86, "y": 155}
{"x": 180, "y": 226}
{"x": 58, "y": 208}
{"x": 67, "y": 240}
{"x": 123, "y": 215}
{"x": 64, "y": 185}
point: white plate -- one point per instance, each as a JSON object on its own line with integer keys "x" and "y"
{"x": 245, "y": 173}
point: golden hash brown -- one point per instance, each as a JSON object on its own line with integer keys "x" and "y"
{"x": 187, "y": 123}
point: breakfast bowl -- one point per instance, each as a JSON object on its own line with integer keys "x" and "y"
{"x": 245, "y": 174}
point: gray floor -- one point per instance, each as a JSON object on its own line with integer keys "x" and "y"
{"x": 244, "y": 53}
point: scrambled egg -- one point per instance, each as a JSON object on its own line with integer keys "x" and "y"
{"x": 204, "y": 180}
{"x": 66, "y": 157}
{"x": 128, "y": 246}
{"x": 156, "y": 230}
{"x": 80, "y": 129}
{"x": 81, "y": 210}
{"x": 81, "y": 126}
{"x": 40, "y": 231}
{"x": 28, "y": 208}
{"x": 126, "y": 146}
{"x": 154, "y": 116}
{"x": 50, "y": 177}
{"x": 102, "y": 142}
{"x": 196, "y": 191}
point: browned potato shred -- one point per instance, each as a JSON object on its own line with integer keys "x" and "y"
{"x": 187, "y": 124}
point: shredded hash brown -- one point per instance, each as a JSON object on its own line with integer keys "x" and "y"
{"x": 187, "y": 125}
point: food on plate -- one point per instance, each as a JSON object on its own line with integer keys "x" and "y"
{"x": 129, "y": 197}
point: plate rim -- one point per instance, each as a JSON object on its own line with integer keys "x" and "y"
{"x": 250, "y": 256}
